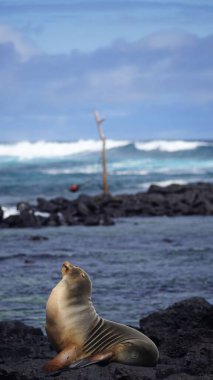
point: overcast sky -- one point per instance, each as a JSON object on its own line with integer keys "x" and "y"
{"x": 145, "y": 65}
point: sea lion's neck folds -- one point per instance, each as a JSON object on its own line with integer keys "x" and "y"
{"x": 78, "y": 309}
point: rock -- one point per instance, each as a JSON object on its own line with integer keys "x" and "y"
{"x": 106, "y": 220}
{"x": 82, "y": 209}
{"x": 25, "y": 219}
{"x": 183, "y": 333}
{"x": 172, "y": 200}
{"x": 23, "y": 206}
{"x": 9, "y": 329}
{"x": 54, "y": 220}
{"x": 1, "y": 214}
{"x": 173, "y": 188}
{"x": 69, "y": 216}
{"x": 60, "y": 203}
{"x": 44, "y": 205}
{"x": 167, "y": 240}
{"x": 38, "y": 238}
{"x": 88, "y": 201}
{"x": 92, "y": 220}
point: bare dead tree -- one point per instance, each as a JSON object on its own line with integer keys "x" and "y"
{"x": 99, "y": 122}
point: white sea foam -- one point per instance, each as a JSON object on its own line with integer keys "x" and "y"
{"x": 86, "y": 169}
{"x": 42, "y": 149}
{"x": 92, "y": 169}
{"x": 9, "y": 211}
{"x": 12, "y": 210}
{"x": 121, "y": 170}
{"x": 169, "y": 146}
{"x": 42, "y": 213}
{"x": 165, "y": 183}
{"x": 130, "y": 172}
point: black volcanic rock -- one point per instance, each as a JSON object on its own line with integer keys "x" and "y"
{"x": 172, "y": 200}
{"x": 44, "y": 205}
{"x": 183, "y": 334}
{"x": 24, "y": 219}
{"x": 38, "y": 238}
{"x": 1, "y": 214}
{"x": 23, "y": 206}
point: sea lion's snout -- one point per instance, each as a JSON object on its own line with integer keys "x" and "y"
{"x": 66, "y": 267}
{"x": 69, "y": 268}
{"x": 77, "y": 279}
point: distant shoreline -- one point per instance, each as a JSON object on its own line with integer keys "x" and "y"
{"x": 103, "y": 209}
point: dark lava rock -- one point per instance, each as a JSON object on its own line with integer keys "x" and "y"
{"x": 44, "y": 205}
{"x": 183, "y": 333}
{"x": 92, "y": 220}
{"x": 53, "y": 220}
{"x": 172, "y": 200}
{"x": 1, "y": 214}
{"x": 25, "y": 219}
{"x": 106, "y": 220}
{"x": 38, "y": 238}
{"x": 23, "y": 206}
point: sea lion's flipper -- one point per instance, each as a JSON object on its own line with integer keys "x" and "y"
{"x": 83, "y": 363}
{"x": 91, "y": 360}
{"x": 60, "y": 361}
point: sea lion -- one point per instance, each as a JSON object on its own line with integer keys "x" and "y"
{"x": 81, "y": 337}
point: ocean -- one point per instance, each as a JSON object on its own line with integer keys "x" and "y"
{"x": 137, "y": 266}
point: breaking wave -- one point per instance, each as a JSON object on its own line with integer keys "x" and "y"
{"x": 27, "y": 150}
{"x": 171, "y": 146}
{"x": 42, "y": 149}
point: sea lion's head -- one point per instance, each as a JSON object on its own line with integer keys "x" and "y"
{"x": 77, "y": 279}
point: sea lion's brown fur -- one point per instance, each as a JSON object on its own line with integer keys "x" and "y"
{"x": 81, "y": 336}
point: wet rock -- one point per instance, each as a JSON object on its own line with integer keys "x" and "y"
{"x": 92, "y": 220}
{"x": 88, "y": 201}
{"x": 1, "y": 214}
{"x": 70, "y": 217}
{"x": 38, "y": 238}
{"x": 60, "y": 203}
{"x": 54, "y": 220}
{"x": 44, "y": 205}
{"x": 183, "y": 333}
{"x": 172, "y": 200}
{"x": 29, "y": 261}
{"x": 82, "y": 209}
{"x": 25, "y": 219}
{"x": 106, "y": 220}
{"x": 167, "y": 240}
{"x": 9, "y": 329}
{"x": 23, "y": 206}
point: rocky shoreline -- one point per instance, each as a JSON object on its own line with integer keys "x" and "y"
{"x": 173, "y": 200}
{"x": 182, "y": 332}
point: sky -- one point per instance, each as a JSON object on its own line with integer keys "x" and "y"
{"x": 147, "y": 66}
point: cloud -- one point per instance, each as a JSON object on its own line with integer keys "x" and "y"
{"x": 159, "y": 69}
{"x": 21, "y": 46}
{"x": 101, "y": 5}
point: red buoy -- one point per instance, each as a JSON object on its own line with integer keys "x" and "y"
{"x": 74, "y": 187}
